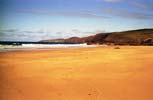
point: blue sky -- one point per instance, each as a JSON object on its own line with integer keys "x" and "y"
{"x": 34, "y": 20}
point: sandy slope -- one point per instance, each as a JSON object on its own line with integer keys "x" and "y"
{"x": 102, "y": 73}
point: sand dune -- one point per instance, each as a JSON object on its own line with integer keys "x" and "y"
{"x": 102, "y": 73}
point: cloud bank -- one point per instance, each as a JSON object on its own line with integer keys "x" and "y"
{"x": 37, "y": 35}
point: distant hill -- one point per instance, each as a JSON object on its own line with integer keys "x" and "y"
{"x": 132, "y": 37}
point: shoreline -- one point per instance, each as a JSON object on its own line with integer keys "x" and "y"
{"x": 48, "y": 49}
{"x": 52, "y": 47}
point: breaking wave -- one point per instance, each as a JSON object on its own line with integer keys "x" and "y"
{"x": 41, "y": 46}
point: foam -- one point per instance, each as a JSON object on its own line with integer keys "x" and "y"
{"x": 42, "y": 46}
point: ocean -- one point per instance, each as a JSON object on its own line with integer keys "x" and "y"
{"x": 18, "y": 45}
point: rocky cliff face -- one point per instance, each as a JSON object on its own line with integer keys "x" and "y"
{"x": 133, "y": 37}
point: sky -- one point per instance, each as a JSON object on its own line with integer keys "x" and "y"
{"x": 34, "y": 20}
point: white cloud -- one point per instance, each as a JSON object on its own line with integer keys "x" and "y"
{"x": 113, "y": 1}
{"x": 81, "y": 14}
{"x": 127, "y": 14}
{"x": 142, "y": 5}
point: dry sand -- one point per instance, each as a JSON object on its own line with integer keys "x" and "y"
{"x": 102, "y": 73}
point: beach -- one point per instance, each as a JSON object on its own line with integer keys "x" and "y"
{"x": 98, "y": 73}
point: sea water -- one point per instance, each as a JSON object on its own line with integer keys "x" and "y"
{"x": 4, "y": 47}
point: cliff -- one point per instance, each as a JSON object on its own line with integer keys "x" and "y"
{"x": 132, "y": 37}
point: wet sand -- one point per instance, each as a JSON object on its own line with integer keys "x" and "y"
{"x": 101, "y": 73}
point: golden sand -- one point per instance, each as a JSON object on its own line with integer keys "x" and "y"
{"x": 101, "y": 73}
